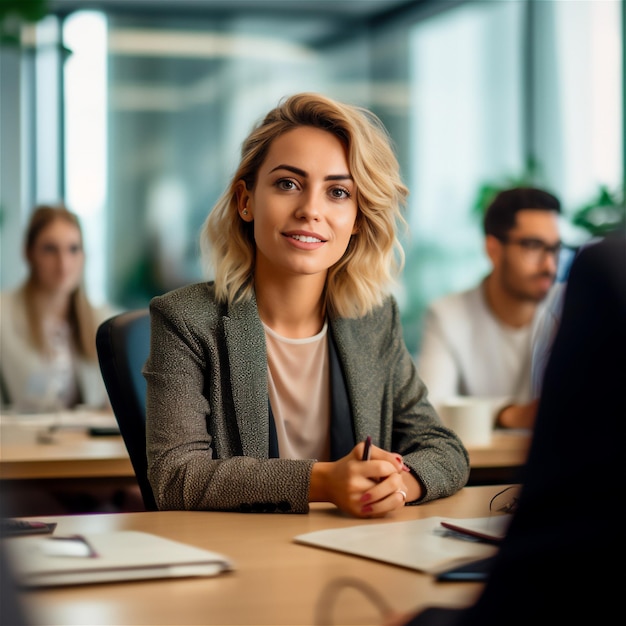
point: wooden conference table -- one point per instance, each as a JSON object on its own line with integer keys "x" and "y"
{"x": 60, "y": 446}
{"x": 275, "y": 581}
{"x": 43, "y": 453}
{"x": 30, "y": 449}
{"x": 39, "y": 453}
{"x": 501, "y": 461}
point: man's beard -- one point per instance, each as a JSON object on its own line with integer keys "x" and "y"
{"x": 524, "y": 293}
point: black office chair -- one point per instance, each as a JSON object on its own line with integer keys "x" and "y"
{"x": 123, "y": 344}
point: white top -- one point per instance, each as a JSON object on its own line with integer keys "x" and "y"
{"x": 543, "y": 334}
{"x": 38, "y": 384}
{"x": 467, "y": 351}
{"x": 299, "y": 391}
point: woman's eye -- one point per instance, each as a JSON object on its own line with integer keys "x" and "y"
{"x": 76, "y": 249}
{"x": 340, "y": 192}
{"x": 286, "y": 184}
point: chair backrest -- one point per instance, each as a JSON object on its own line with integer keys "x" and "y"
{"x": 123, "y": 344}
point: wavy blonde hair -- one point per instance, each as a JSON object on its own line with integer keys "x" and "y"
{"x": 81, "y": 316}
{"x": 364, "y": 275}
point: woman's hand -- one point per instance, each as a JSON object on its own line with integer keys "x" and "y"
{"x": 364, "y": 488}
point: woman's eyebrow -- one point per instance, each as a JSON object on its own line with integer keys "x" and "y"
{"x": 299, "y": 172}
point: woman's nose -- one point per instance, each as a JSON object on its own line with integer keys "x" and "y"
{"x": 67, "y": 261}
{"x": 308, "y": 206}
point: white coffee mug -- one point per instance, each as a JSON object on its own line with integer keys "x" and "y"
{"x": 470, "y": 417}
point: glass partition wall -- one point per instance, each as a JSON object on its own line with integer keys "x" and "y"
{"x": 181, "y": 96}
{"x": 152, "y": 109}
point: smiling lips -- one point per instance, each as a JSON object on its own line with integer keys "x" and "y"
{"x": 306, "y": 239}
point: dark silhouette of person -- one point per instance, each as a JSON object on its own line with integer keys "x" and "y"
{"x": 560, "y": 560}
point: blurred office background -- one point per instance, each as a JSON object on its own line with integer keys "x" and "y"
{"x": 133, "y": 111}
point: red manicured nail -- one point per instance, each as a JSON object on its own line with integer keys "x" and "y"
{"x": 367, "y": 508}
{"x": 365, "y": 497}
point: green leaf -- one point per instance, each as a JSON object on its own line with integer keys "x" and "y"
{"x": 28, "y": 10}
{"x": 603, "y": 214}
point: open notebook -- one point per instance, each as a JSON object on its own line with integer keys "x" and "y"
{"x": 107, "y": 557}
{"x": 425, "y": 545}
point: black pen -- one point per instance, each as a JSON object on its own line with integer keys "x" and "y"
{"x": 366, "y": 449}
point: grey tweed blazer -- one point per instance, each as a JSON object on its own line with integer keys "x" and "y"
{"x": 207, "y": 421}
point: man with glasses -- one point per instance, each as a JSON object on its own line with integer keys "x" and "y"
{"x": 478, "y": 342}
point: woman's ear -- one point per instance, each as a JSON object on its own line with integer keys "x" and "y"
{"x": 243, "y": 202}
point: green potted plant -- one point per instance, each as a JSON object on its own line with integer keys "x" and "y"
{"x": 530, "y": 176}
{"x": 603, "y": 214}
{"x": 13, "y": 13}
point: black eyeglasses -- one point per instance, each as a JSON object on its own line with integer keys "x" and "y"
{"x": 534, "y": 249}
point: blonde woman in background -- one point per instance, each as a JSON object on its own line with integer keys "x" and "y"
{"x": 264, "y": 384}
{"x": 48, "y": 327}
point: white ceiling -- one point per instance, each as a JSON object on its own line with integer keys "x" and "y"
{"x": 364, "y": 9}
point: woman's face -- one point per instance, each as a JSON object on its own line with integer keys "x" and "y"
{"x": 57, "y": 258}
{"x": 303, "y": 204}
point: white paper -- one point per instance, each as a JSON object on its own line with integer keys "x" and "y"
{"x": 422, "y": 545}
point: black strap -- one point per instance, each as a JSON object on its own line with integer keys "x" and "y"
{"x": 4, "y": 392}
{"x": 274, "y": 452}
{"x": 342, "y": 437}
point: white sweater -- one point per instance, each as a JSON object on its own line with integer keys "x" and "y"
{"x": 467, "y": 351}
{"x": 22, "y": 368}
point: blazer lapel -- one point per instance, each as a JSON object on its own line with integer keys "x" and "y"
{"x": 362, "y": 396}
{"x": 247, "y": 359}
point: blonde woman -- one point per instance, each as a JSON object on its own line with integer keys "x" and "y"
{"x": 47, "y": 326}
{"x": 264, "y": 383}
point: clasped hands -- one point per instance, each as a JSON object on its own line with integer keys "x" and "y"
{"x": 370, "y": 488}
